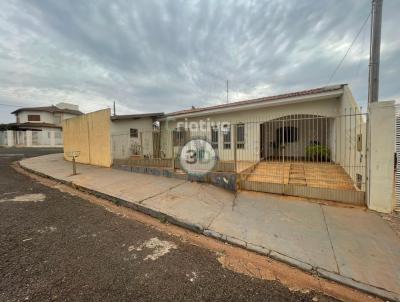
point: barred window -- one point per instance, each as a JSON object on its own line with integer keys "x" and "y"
{"x": 240, "y": 136}
{"x": 226, "y": 136}
{"x": 134, "y": 133}
{"x": 179, "y": 137}
{"x": 214, "y": 137}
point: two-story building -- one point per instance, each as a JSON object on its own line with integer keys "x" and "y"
{"x": 38, "y": 126}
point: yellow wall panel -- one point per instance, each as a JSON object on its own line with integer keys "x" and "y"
{"x": 90, "y": 135}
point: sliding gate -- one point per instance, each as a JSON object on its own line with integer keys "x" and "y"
{"x": 312, "y": 156}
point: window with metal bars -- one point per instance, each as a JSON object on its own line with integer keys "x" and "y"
{"x": 214, "y": 137}
{"x": 134, "y": 133}
{"x": 226, "y": 136}
{"x": 179, "y": 137}
{"x": 240, "y": 136}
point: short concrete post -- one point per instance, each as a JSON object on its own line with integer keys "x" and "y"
{"x": 73, "y": 155}
{"x": 73, "y": 166}
{"x": 381, "y": 141}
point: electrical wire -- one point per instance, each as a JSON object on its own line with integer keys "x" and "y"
{"x": 348, "y": 50}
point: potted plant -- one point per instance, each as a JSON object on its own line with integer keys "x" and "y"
{"x": 317, "y": 152}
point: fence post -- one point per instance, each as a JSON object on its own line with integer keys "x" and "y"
{"x": 381, "y": 141}
{"x": 172, "y": 151}
{"x": 234, "y": 146}
{"x": 141, "y": 144}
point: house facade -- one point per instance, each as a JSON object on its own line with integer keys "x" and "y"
{"x": 309, "y": 143}
{"x": 135, "y": 135}
{"x": 312, "y": 140}
{"x": 38, "y": 126}
{"x": 273, "y": 127}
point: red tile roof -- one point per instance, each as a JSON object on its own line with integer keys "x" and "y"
{"x": 136, "y": 116}
{"x": 260, "y": 100}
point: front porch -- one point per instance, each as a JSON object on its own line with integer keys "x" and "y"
{"x": 305, "y": 179}
{"x": 308, "y": 174}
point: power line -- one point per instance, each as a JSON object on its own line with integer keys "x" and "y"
{"x": 363, "y": 39}
{"x": 348, "y": 50}
{"x": 17, "y": 106}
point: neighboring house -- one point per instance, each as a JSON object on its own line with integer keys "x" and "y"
{"x": 38, "y": 126}
{"x": 135, "y": 135}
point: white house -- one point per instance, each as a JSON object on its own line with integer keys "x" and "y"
{"x": 135, "y": 135}
{"x": 310, "y": 143}
{"x": 289, "y": 142}
{"x": 37, "y": 126}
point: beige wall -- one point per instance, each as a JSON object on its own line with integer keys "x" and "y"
{"x": 45, "y": 117}
{"x": 252, "y": 119}
{"x": 347, "y": 126}
{"x": 90, "y": 135}
{"x": 381, "y": 156}
{"x": 122, "y": 142}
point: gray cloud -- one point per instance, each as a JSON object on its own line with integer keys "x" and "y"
{"x": 169, "y": 55}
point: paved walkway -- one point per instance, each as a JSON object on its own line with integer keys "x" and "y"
{"x": 353, "y": 246}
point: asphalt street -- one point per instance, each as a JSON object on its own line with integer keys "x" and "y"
{"x": 56, "y": 246}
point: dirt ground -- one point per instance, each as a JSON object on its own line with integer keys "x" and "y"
{"x": 64, "y": 245}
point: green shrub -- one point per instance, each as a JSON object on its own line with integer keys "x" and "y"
{"x": 317, "y": 152}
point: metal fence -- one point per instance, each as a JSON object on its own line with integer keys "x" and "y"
{"x": 31, "y": 137}
{"x": 280, "y": 155}
{"x": 3, "y": 138}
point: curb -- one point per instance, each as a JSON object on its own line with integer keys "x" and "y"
{"x": 375, "y": 291}
{"x": 332, "y": 276}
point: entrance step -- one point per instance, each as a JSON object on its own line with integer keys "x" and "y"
{"x": 297, "y": 175}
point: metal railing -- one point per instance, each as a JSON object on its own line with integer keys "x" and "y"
{"x": 298, "y": 150}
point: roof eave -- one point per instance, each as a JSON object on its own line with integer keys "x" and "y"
{"x": 268, "y": 103}
{"x": 136, "y": 117}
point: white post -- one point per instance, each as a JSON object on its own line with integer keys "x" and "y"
{"x": 376, "y": 24}
{"x": 10, "y": 138}
{"x": 28, "y": 135}
{"x": 381, "y": 156}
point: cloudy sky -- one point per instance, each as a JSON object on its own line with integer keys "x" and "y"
{"x": 152, "y": 55}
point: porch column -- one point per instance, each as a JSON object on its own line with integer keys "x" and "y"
{"x": 380, "y": 191}
{"x": 10, "y": 138}
{"x": 52, "y": 138}
{"x": 28, "y": 136}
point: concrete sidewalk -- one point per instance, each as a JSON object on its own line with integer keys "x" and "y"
{"x": 352, "y": 246}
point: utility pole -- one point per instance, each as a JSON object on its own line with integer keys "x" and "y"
{"x": 114, "y": 108}
{"x": 375, "y": 51}
{"x": 227, "y": 91}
